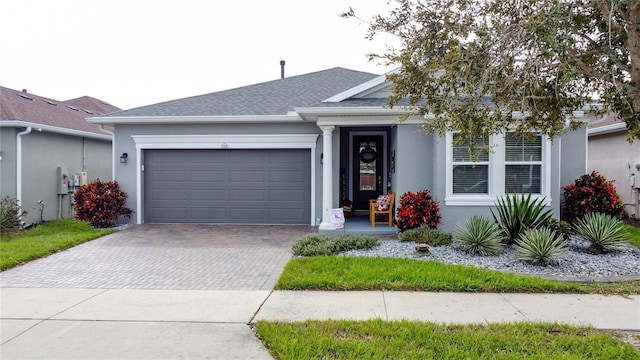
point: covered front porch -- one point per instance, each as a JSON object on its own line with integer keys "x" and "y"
{"x": 360, "y": 224}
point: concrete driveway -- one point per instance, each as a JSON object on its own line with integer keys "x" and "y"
{"x": 168, "y": 257}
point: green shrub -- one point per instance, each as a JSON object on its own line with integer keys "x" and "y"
{"x": 417, "y": 209}
{"x": 479, "y": 236}
{"x": 517, "y": 213}
{"x": 591, "y": 193}
{"x": 100, "y": 203}
{"x": 603, "y": 231}
{"x": 426, "y": 235}
{"x": 10, "y": 214}
{"x": 319, "y": 244}
{"x": 560, "y": 227}
{"x": 542, "y": 246}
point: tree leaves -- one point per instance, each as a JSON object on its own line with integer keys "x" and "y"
{"x": 481, "y": 67}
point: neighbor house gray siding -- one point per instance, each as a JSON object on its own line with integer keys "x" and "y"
{"x": 42, "y": 153}
{"x": 616, "y": 159}
{"x": 8, "y": 162}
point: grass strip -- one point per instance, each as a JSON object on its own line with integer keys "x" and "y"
{"x": 634, "y": 235}
{"x": 379, "y": 273}
{"x": 378, "y": 339}
{"x": 47, "y": 238}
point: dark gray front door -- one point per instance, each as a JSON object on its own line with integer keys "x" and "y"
{"x": 228, "y": 186}
{"x": 367, "y": 170}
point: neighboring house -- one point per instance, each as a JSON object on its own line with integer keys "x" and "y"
{"x": 38, "y": 135}
{"x": 615, "y": 158}
{"x": 286, "y": 151}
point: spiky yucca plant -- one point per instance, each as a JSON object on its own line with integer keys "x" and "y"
{"x": 517, "y": 213}
{"x": 542, "y": 246}
{"x": 603, "y": 231}
{"x": 479, "y": 236}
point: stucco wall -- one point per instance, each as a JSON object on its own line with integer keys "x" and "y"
{"x": 8, "y": 162}
{"x": 615, "y": 158}
{"x": 414, "y": 159}
{"x": 42, "y": 154}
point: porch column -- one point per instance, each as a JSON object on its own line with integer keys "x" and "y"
{"x": 327, "y": 176}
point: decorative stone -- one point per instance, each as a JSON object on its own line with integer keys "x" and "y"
{"x": 422, "y": 249}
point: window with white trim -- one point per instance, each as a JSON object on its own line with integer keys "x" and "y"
{"x": 523, "y": 163}
{"x": 470, "y": 174}
{"x": 515, "y": 164}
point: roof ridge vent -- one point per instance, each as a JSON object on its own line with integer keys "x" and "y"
{"x": 22, "y": 95}
{"x": 49, "y": 102}
{"x": 72, "y": 108}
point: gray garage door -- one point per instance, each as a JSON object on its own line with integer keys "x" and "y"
{"x": 228, "y": 186}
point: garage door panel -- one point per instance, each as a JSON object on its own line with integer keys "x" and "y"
{"x": 287, "y": 196}
{"x": 246, "y": 215}
{"x": 286, "y": 176}
{"x": 234, "y": 186}
{"x": 248, "y": 157}
{"x": 168, "y": 176}
{"x": 208, "y": 175}
{"x": 208, "y": 214}
{"x": 207, "y": 196}
{"x": 248, "y": 195}
{"x": 247, "y": 176}
{"x": 159, "y": 195}
{"x": 169, "y": 213}
{"x": 278, "y": 215}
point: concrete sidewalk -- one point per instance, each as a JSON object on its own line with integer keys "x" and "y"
{"x": 42, "y": 323}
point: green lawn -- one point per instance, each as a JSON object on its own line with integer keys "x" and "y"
{"x": 371, "y": 273}
{"x": 634, "y": 235}
{"x": 378, "y": 339}
{"x": 47, "y": 238}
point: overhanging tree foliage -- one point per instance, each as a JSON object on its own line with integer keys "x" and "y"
{"x": 484, "y": 66}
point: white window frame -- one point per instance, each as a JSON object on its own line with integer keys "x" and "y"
{"x": 497, "y": 163}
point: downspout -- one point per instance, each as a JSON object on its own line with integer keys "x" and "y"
{"x": 113, "y": 151}
{"x": 19, "y": 166}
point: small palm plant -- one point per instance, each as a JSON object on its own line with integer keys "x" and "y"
{"x": 516, "y": 213}
{"x": 542, "y": 246}
{"x": 603, "y": 231}
{"x": 479, "y": 236}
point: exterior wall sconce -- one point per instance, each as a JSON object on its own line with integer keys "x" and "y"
{"x": 321, "y": 158}
{"x": 123, "y": 157}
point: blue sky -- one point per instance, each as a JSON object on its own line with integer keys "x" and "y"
{"x": 133, "y": 53}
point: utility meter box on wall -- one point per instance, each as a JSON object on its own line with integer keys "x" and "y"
{"x": 63, "y": 180}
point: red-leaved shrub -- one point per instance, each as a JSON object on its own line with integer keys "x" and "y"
{"x": 591, "y": 193}
{"x": 417, "y": 209}
{"x": 100, "y": 203}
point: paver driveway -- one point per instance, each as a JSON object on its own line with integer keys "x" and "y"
{"x": 168, "y": 256}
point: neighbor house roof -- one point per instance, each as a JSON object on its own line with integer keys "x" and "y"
{"x": 21, "y": 106}
{"x": 277, "y": 97}
{"x": 606, "y": 124}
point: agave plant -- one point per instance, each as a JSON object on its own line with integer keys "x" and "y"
{"x": 479, "y": 236}
{"x": 517, "y": 213}
{"x": 542, "y": 246}
{"x": 603, "y": 231}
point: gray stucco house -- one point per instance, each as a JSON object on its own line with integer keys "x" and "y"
{"x": 616, "y": 159}
{"x": 41, "y": 139}
{"x": 286, "y": 151}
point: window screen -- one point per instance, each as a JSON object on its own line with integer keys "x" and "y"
{"x": 523, "y": 163}
{"x": 470, "y": 175}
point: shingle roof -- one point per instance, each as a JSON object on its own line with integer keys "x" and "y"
{"x": 22, "y": 106}
{"x": 276, "y": 97}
